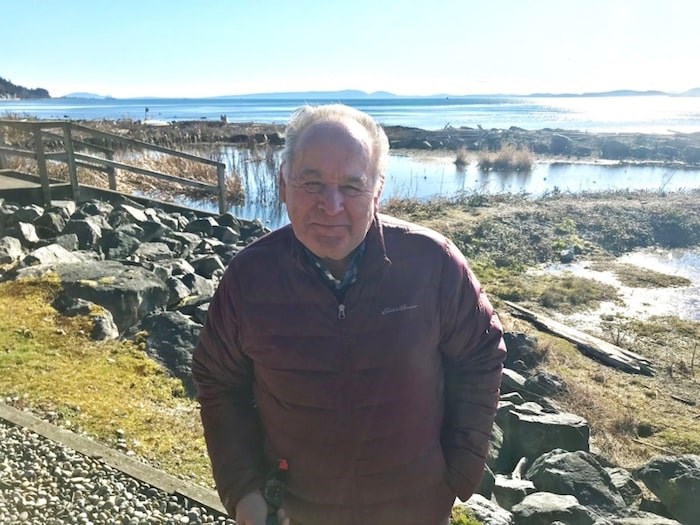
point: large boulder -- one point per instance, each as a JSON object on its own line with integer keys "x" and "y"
{"x": 545, "y": 384}
{"x": 25, "y": 232}
{"x": 128, "y": 292}
{"x": 529, "y": 431}
{"x": 50, "y": 224}
{"x": 625, "y": 484}
{"x": 509, "y": 492}
{"x": 485, "y": 487}
{"x": 28, "y": 213}
{"x": 578, "y": 474}
{"x": 117, "y": 244}
{"x": 87, "y": 230}
{"x": 486, "y": 511}
{"x": 171, "y": 339}
{"x": 523, "y": 351}
{"x": 640, "y": 518}
{"x": 103, "y": 326}
{"x": 51, "y": 254}
{"x": 675, "y": 480}
{"x": 545, "y": 508}
{"x": 10, "y": 250}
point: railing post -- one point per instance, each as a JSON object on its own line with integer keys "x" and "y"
{"x": 111, "y": 173}
{"x": 41, "y": 163}
{"x": 3, "y": 161}
{"x": 70, "y": 154}
{"x": 221, "y": 181}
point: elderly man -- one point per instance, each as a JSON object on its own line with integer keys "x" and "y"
{"x": 355, "y": 349}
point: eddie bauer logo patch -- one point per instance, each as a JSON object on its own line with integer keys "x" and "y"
{"x": 392, "y": 309}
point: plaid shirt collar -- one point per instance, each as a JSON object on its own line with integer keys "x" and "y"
{"x": 337, "y": 285}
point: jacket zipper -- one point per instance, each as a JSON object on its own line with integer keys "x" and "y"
{"x": 341, "y": 311}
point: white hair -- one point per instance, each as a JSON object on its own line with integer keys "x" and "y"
{"x": 308, "y": 115}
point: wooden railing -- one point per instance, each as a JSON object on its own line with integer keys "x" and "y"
{"x": 42, "y": 130}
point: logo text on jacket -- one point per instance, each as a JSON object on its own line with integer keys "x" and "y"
{"x": 393, "y": 309}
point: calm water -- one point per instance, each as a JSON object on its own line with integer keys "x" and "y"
{"x": 642, "y": 303}
{"x": 435, "y": 175}
{"x": 430, "y": 176}
{"x": 657, "y": 114}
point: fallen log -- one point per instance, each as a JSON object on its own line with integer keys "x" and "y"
{"x": 683, "y": 400}
{"x": 606, "y": 353}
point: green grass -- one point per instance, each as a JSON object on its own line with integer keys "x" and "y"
{"x": 636, "y": 277}
{"x": 462, "y": 516}
{"x": 565, "y": 293}
{"x": 51, "y": 367}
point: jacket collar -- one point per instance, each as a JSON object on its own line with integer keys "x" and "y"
{"x": 374, "y": 259}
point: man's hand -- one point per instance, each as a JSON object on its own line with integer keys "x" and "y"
{"x": 252, "y": 510}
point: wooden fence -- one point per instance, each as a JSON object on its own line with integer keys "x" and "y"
{"x": 79, "y": 153}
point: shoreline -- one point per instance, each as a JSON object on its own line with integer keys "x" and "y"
{"x": 675, "y": 150}
{"x": 678, "y": 150}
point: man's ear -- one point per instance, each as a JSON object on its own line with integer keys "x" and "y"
{"x": 377, "y": 196}
{"x": 282, "y": 185}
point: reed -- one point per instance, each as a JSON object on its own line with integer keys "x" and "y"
{"x": 508, "y": 158}
{"x": 462, "y": 157}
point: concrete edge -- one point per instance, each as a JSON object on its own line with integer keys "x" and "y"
{"x": 130, "y": 466}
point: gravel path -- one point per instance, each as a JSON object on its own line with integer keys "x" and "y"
{"x": 44, "y": 482}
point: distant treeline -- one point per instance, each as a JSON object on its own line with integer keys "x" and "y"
{"x": 10, "y": 90}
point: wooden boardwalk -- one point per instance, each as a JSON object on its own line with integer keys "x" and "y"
{"x": 24, "y": 188}
{"x": 8, "y": 182}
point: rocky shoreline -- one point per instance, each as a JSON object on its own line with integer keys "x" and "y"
{"x": 153, "y": 274}
{"x": 672, "y": 149}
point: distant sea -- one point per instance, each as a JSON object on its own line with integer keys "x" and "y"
{"x": 646, "y": 114}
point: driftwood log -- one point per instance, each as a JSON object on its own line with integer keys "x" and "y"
{"x": 606, "y": 353}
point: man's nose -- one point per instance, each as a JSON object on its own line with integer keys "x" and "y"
{"x": 332, "y": 200}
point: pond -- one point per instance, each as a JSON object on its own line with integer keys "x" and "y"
{"x": 642, "y": 303}
{"x": 434, "y": 174}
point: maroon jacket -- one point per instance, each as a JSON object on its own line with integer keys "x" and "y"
{"x": 382, "y": 406}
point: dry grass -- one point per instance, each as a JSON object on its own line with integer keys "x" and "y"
{"x": 178, "y": 167}
{"x": 508, "y": 158}
{"x": 462, "y": 157}
{"x": 632, "y": 417}
{"x": 135, "y": 183}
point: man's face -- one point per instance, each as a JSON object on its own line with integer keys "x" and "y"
{"x": 330, "y": 191}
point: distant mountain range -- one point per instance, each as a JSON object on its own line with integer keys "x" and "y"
{"x": 319, "y": 95}
{"x": 695, "y": 92}
{"x": 10, "y": 90}
{"x": 356, "y": 94}
{"x": 87, "y": 95}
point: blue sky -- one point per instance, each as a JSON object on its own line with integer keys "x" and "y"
{"x": 197, "y": 48}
